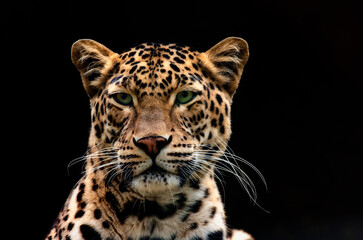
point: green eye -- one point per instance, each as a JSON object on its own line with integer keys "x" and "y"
{"x": 184, "y": 97}
{"x": 123, "y": 98}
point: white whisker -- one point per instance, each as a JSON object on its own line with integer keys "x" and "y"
{"x": 221, "y": 158}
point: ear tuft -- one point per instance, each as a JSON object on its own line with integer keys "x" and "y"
{"x": 92, "y": 60}
{"x": 226, "y": 61}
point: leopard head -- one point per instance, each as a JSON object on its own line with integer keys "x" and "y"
{"x": 159, "y": 111}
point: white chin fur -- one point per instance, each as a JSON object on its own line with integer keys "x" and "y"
{"x": 151, "y": 185}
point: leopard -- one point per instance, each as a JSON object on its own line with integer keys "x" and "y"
{"x": 160, "y": 123}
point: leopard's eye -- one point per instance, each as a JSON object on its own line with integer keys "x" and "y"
{"x": 123, "y": 98}
{"x": 184, "y": 97}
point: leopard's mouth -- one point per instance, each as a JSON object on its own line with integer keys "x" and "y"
{"x": 154, "y": 170}
{"x": 156, "y": 175}
{"x": 155, "y": 180}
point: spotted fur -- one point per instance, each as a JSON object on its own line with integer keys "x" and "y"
{"x": 150, "y": 165}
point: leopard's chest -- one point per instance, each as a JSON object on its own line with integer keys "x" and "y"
{"x": 192, "y": 213}
{"x": 199, "y": 220}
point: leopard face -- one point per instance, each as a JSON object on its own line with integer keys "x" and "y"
{"x": 159, "y": 112}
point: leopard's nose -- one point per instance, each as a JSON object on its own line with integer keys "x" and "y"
{"x": 152, "y": 145}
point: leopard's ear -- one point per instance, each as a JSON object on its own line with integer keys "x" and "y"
{"x": 225, "y": 61}
{"x": 93, "y": 61}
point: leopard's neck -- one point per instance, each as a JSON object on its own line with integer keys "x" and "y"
{"x": 196, "y": 206}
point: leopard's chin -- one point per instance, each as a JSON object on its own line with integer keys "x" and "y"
{"x": 155, "y": 181}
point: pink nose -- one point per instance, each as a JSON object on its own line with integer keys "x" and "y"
{"x": 152, "y": 145}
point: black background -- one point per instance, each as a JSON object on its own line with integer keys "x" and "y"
{"x": 296, "y": 115}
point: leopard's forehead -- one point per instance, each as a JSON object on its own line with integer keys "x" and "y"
{"x": 147, "y": 51}
{"x": 156, "y": 69}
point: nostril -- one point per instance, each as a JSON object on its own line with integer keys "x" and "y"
{"x": 163, "y": 143}
{"x": 152, "y": 145}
